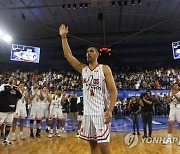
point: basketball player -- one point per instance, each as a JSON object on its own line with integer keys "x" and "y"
{"x": 174, "y": 99}
{"x": 96, "y": 79}
{"x": 56, "y": 113}
{"x": 36, "y": 110}
{"x": 20, "y": 113}
{"x": 9, "y": 94}
{"x": 46, "y": 100}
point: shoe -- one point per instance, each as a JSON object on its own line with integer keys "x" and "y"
{"x": 134, "y": 133}
{"x": 13, "y": 137}
{"x": 38, "y": 135}
{"x": 31, "y": 135}
{"x": 6, "y": 142}
{"x": 77, "y": 135}
{"x": 21, "y": 137}
{"x": 50, "y": 135}
{"x": 58, "y": 134}
{"x": 63, "y": 130}
{"x": 138, "y": 133}
{"x": 168, "y": 141}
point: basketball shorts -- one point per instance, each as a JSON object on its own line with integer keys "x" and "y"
{"x": 174, "y": 115}
{"x": 35, "y": 113}
{"x": 6, "y": 117}
{"x": 94, "y": 129}
{"x": 20, "y": 112}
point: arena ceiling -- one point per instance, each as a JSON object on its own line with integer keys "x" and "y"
{"x": 103, "y": 22}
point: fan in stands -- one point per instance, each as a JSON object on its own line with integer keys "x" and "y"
{"x": 105, "y": 51}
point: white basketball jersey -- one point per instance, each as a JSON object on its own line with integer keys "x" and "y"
{"x": 174, "y": 102}
{"x": 56, "y": 102}
{"x": 36, "y": 100}
{"x": 21, "y": 102}
{"x": 94, "y": 90}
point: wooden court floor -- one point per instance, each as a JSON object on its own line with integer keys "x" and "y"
{"x": 68, "y": 144}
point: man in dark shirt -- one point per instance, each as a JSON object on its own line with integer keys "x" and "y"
{"x": 147, "y": 108}
{"x": 73, "y": 108}
{"x": 9, "y": 95}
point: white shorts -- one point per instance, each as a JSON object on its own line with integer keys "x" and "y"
{"x": 174, "y": 114}
{"x": 20, "y": 112}
{"x": 94, "y": 129}
{"x": 45, "y": 112}
{"x": 56, "y": 113}
{"x": 80, "y": 118}
{"x": 6, "y": 117}
{"x": 35, "y": 113}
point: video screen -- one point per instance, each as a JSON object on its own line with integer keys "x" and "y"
{"x": 25, "y": 53}
{"x": 176, "y": 49}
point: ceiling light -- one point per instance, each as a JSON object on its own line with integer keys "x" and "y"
{"x": 7, "y": 38}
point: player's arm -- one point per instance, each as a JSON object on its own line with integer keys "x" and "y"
{"x": 78, "y": 66}
{"x": 113, "y": 92}
{"x": 169, "y": 98}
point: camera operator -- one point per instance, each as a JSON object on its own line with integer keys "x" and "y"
{"x": 135, "y": 109}
{"x": 147, "y": 107}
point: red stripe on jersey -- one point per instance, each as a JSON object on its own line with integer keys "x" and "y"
{"x": 93, "y": 68}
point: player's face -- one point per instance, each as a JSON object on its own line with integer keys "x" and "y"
{"x": 21, "y": 87}
{"x": 176, "y": 87}
{"x": 91, "y": 54}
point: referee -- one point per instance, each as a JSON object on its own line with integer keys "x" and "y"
{"x": 9, "y": 95}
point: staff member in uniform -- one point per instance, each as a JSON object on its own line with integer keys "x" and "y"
{"x": 9, "y": 94}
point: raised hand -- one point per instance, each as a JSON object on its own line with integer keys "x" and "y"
{"x": 63, "y": 30}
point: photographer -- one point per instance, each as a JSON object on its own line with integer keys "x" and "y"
{"x": 147, "y": 108}
{"x": 135, "y": 109}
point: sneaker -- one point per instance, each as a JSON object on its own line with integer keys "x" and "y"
{"x": 6, "y": 142}
{"x": 38, "y": 135}
{"x": 31, "y": 135}
{"x": 58, "y": 134}
{"x": 168, "y": 141}
{"x": 77, "y": 135}
{"x": 63, "y": 130}
{"x": 13, "y": 137}
{"x": 138, "y": 133}
{"x": 21, "y": 137}
{"x": 134, "y": 133}
{"x": 50, "y": 135}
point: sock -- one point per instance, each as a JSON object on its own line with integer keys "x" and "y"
{"x": 6, "y": 134}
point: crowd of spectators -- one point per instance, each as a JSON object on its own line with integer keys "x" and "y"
{"x": 125, "y": 78}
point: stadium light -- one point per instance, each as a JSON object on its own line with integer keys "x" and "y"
{"x": 7, "y": 38}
